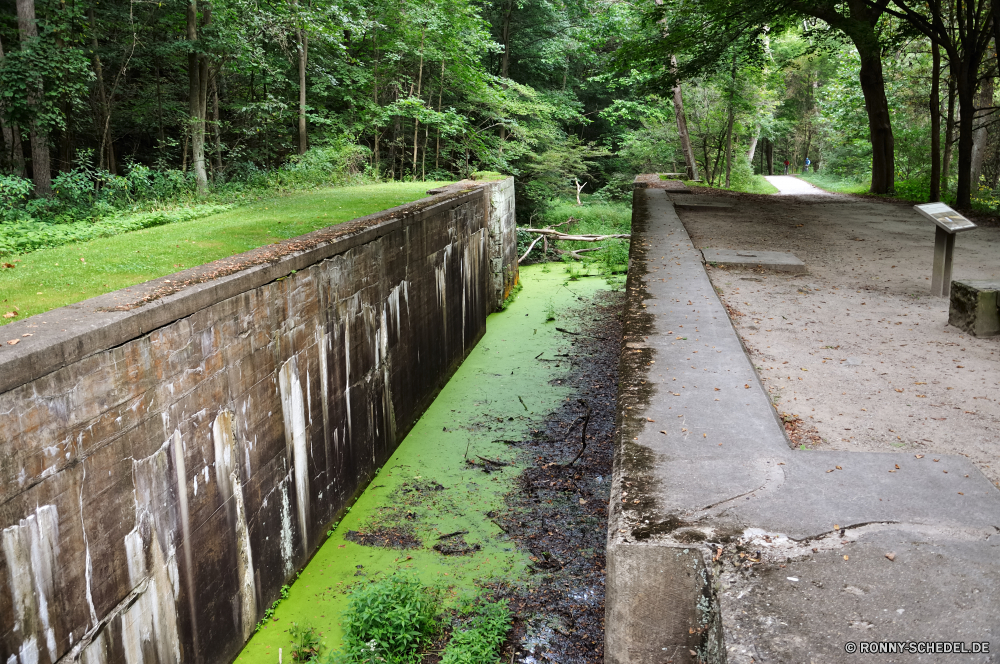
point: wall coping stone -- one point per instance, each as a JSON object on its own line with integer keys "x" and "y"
{"x": 69, "y": 334}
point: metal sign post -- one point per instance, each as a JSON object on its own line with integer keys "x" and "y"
{"x": 948, "y": 223}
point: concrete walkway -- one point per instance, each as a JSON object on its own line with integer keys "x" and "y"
{"x": 789, "y": 185}
{"x": 726, "y": 544}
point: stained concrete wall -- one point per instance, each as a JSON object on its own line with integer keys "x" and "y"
{"x": 170, "y": 456}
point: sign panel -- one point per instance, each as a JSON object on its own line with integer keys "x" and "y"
{"x": 946, "y": 218}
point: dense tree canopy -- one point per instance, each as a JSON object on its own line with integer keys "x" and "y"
{"x": 189, "y": 96}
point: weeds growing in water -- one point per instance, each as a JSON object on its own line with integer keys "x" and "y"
{"x": 389, "y": 621}
{"x": 550, "y": 312}
{"x": 306, "y": 645}
{"x": 481, "y": 629}
{"x": 274, "y": 605}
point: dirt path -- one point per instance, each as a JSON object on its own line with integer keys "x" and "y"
{"x": 856, "y": 352}
{"x": 789, "y": 185}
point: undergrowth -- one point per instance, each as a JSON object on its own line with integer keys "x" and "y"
{"x": 390, "y": 620}
{"x": 480, "y": 628}
{"x": 393, "y": 620}
{"x": 594, "y": 217}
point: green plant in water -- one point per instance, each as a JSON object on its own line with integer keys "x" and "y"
{"x": 482, "y": 628}
{"x": 389, "y": 620}
{"x": 550, "y": 312}
{"x": 306, "y": 645}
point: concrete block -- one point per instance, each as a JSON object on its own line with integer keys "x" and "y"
{"x": 779, "y": 261}
{"x": 974, "y": 307}
{"x": 659, "y": 607}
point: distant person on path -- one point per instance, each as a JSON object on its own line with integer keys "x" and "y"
{"x": 786, "y": 167}
{"x": 807, "y": 164}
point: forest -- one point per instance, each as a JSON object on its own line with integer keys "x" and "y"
{"x": 117, "y": 105}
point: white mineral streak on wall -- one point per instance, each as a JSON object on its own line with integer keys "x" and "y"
{"x": 151, "y": 621}
{"x": 293, "y": 411}
{"x": 89, "y": 566}
{"x": 182, "y": 502}
{"x": 286, "y": 529}
{"x": 324, "y": 390}
{"x": 31, "y": 548}
{"x": 230, "y": 488}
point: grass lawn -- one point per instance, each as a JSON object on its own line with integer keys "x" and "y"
{"x": 835, "y": 184}
{"x": 49, "y": 278}
{"x": 757, "y": 185}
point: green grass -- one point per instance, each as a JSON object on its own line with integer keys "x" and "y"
{"x": 49, "y": 278}
{"x": 835, "y": 184}
{"x": 756, "y": 184}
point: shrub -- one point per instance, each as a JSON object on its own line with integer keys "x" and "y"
{"x": 389, "y": 620}
{"x": 481, "y": 630}
{"x": 306, "y": 645}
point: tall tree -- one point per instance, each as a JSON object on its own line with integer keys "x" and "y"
{"x": 964, "y": 29}
{"x": 41, "y": 169}
{"x": 197, "y": 83}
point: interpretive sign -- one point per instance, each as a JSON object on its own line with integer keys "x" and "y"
{"x": 947, "y": 219}
{"x": 948, "y": 222}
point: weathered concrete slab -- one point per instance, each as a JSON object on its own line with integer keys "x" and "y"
{"x": 703, "y": 468}
{"x": 974, "y": 307}
{"x": 695, "y": 202}
{"x": 778, "y": 261}
{"x": 654, "y": 181}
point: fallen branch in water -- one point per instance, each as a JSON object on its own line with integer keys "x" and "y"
{"x": 583, "y": 434}
{"x": 559, "y": 235}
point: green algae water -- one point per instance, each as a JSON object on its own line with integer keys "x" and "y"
{"x": 429, "y": 489}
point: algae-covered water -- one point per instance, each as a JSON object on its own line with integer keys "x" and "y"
{"x": 507, "y": 385}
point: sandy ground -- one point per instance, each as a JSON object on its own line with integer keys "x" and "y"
{"x": 856, "y": 352}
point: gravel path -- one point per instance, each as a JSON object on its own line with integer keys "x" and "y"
{"x": 789, "y": 185}
{"x": 856, "y": 352}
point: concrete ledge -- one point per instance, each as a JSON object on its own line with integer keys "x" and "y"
{"x": 795, "y": 544}
{"x": 778, "y": 261}
{"x": 66, "y": 335}
{"x": 974, "y": 307}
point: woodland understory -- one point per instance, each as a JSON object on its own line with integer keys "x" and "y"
{"x": 115, "y": 105}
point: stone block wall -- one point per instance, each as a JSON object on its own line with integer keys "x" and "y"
{"x": 167, "y": 462}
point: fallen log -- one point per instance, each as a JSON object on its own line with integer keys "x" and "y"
{"x": 557, "y": 235}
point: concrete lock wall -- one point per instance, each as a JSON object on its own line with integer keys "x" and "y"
{"x": 168, "y": 462}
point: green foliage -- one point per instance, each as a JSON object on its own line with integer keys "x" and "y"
{"x": 481, "y": 627}
{"x": 55, "y": 276}
{"x": 20, "y": 237}
{"x": 306, "y": 644}
{"x": 390, "y": 620}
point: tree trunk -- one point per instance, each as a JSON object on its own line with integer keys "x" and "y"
{"x": 106, "y": 154}
{"x": 879, "y": 121}
{"x": 682, "y": 130}
{"x": 303, "y": 55}
{"x": 416, "y": 121}
{"x": 216, "y": 129}
{"x": 966, "y": 87}
{"x": 41, "y": 170}
{"x": 195, "y": 105}
{"x": 949, "y": 135}
{"x": 729, "y": 144}
{"x": 935, "y": 108}
{"x": 12, "y": 139}
{"x": 505, "y": 59}
{"x": 729, "y": 124}
{"x": 984, "y": 105}
{"x": 753, "y": 145}
{"x": 437, "y": 151}
{"x": 769, "y": 156}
